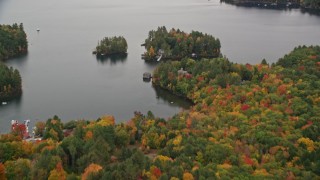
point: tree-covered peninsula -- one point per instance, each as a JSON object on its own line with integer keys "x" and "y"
{"x": 248, "y": 122}
{"x": 176, "y": 44}
{"x": 13, "y": 41}
{"x": 111, "y": 45}
{"x": 10, "y": 83}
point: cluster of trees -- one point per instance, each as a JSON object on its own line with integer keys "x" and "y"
{"x": 311, "y": 4}
{"x": 176, "y": 44}
{"x": 258, "y": 122}
{"x": 112, "y": 45}
{"x": 306, "y": 5}
{"x": 266, "y": 118}
{"x": 10, "y": 83}
{"x": 13, "y": 41}
{"x": 218, "y": 71}
{"x": 94, "y": 150}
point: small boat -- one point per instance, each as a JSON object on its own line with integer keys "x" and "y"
{"x": 4, "y": 103}
{"x": 159, "y": 58}
{"x": 38, "y": 29}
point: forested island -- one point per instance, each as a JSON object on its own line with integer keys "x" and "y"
{"x": 176, "y": 44}
{"x": 111, "y": 46}
{"x": 13, "y": 41}
{"x": 10, "y": 83}
{"x": 248, "y": 122}
{"x": 306, "y": 5}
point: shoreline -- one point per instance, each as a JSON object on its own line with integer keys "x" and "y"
{"x": 273, "y": 5}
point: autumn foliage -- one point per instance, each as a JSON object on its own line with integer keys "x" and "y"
{"x": 247, "y": 122}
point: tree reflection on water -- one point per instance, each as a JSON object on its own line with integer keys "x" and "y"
{"x": 112, "y": 59}
{"x": 172, "y": 100}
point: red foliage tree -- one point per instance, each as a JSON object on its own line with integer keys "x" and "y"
{"x": 248, "y": 160}
{"x": 245, "y": 107}
{"x": 19, "y": 130}
{"x": 2, "y": 172}
{"x": 155, "y": 171}
{"x": 282, "y": 89}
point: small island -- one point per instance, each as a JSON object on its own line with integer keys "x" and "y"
{"x": 176, "y": 44}
{"x": 10, "y": 83}
{"x": 111, "y": 46}
{"x": 13, "y": 41}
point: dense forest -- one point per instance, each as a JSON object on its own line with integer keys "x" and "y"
{"x": 10, "y": 83}
{"x": 248, "y": 122}
{"x": 111, "y": 45}
{"x": 13, "y": 41}
{"x": 177, "y": 44}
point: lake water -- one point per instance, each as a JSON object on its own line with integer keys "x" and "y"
{"x": 61, "y": 76}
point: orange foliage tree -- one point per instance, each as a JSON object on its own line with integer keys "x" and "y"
{"x": 187, "y": 176}
{"x": 2, "y": 172}
{"x": 58, "y": 173}
{"x": 92, "y": 168}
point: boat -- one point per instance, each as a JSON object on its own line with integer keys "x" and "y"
{"x": 4, "y": 103}
{"x": 38, "y": 29}
{"x": 159, "y": 58}
{"x": 147, "y": 75}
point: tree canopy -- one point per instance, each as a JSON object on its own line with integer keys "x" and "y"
{"x": 13, "y": 41}
{"x": 10, "y": 83}
{"x": 248, "y": 122}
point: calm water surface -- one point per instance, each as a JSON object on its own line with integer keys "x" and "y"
{"x": 60, "y": 75}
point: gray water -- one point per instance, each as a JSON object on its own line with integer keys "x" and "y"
{"x": 61, "y": 76}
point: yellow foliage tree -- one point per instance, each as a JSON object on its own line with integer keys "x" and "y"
{"x": 106, "y": 120}
{"x": 177, "y": 140}
{"x": 261, "y": 172}
{"x": 308, "y": 142}
{"x": 224, "y": 166}
{"x": 187, "y": 176}
{"x": 151, "y": 52}
{"x": 174, "y": 178}
{"x": 163, "y": 158}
